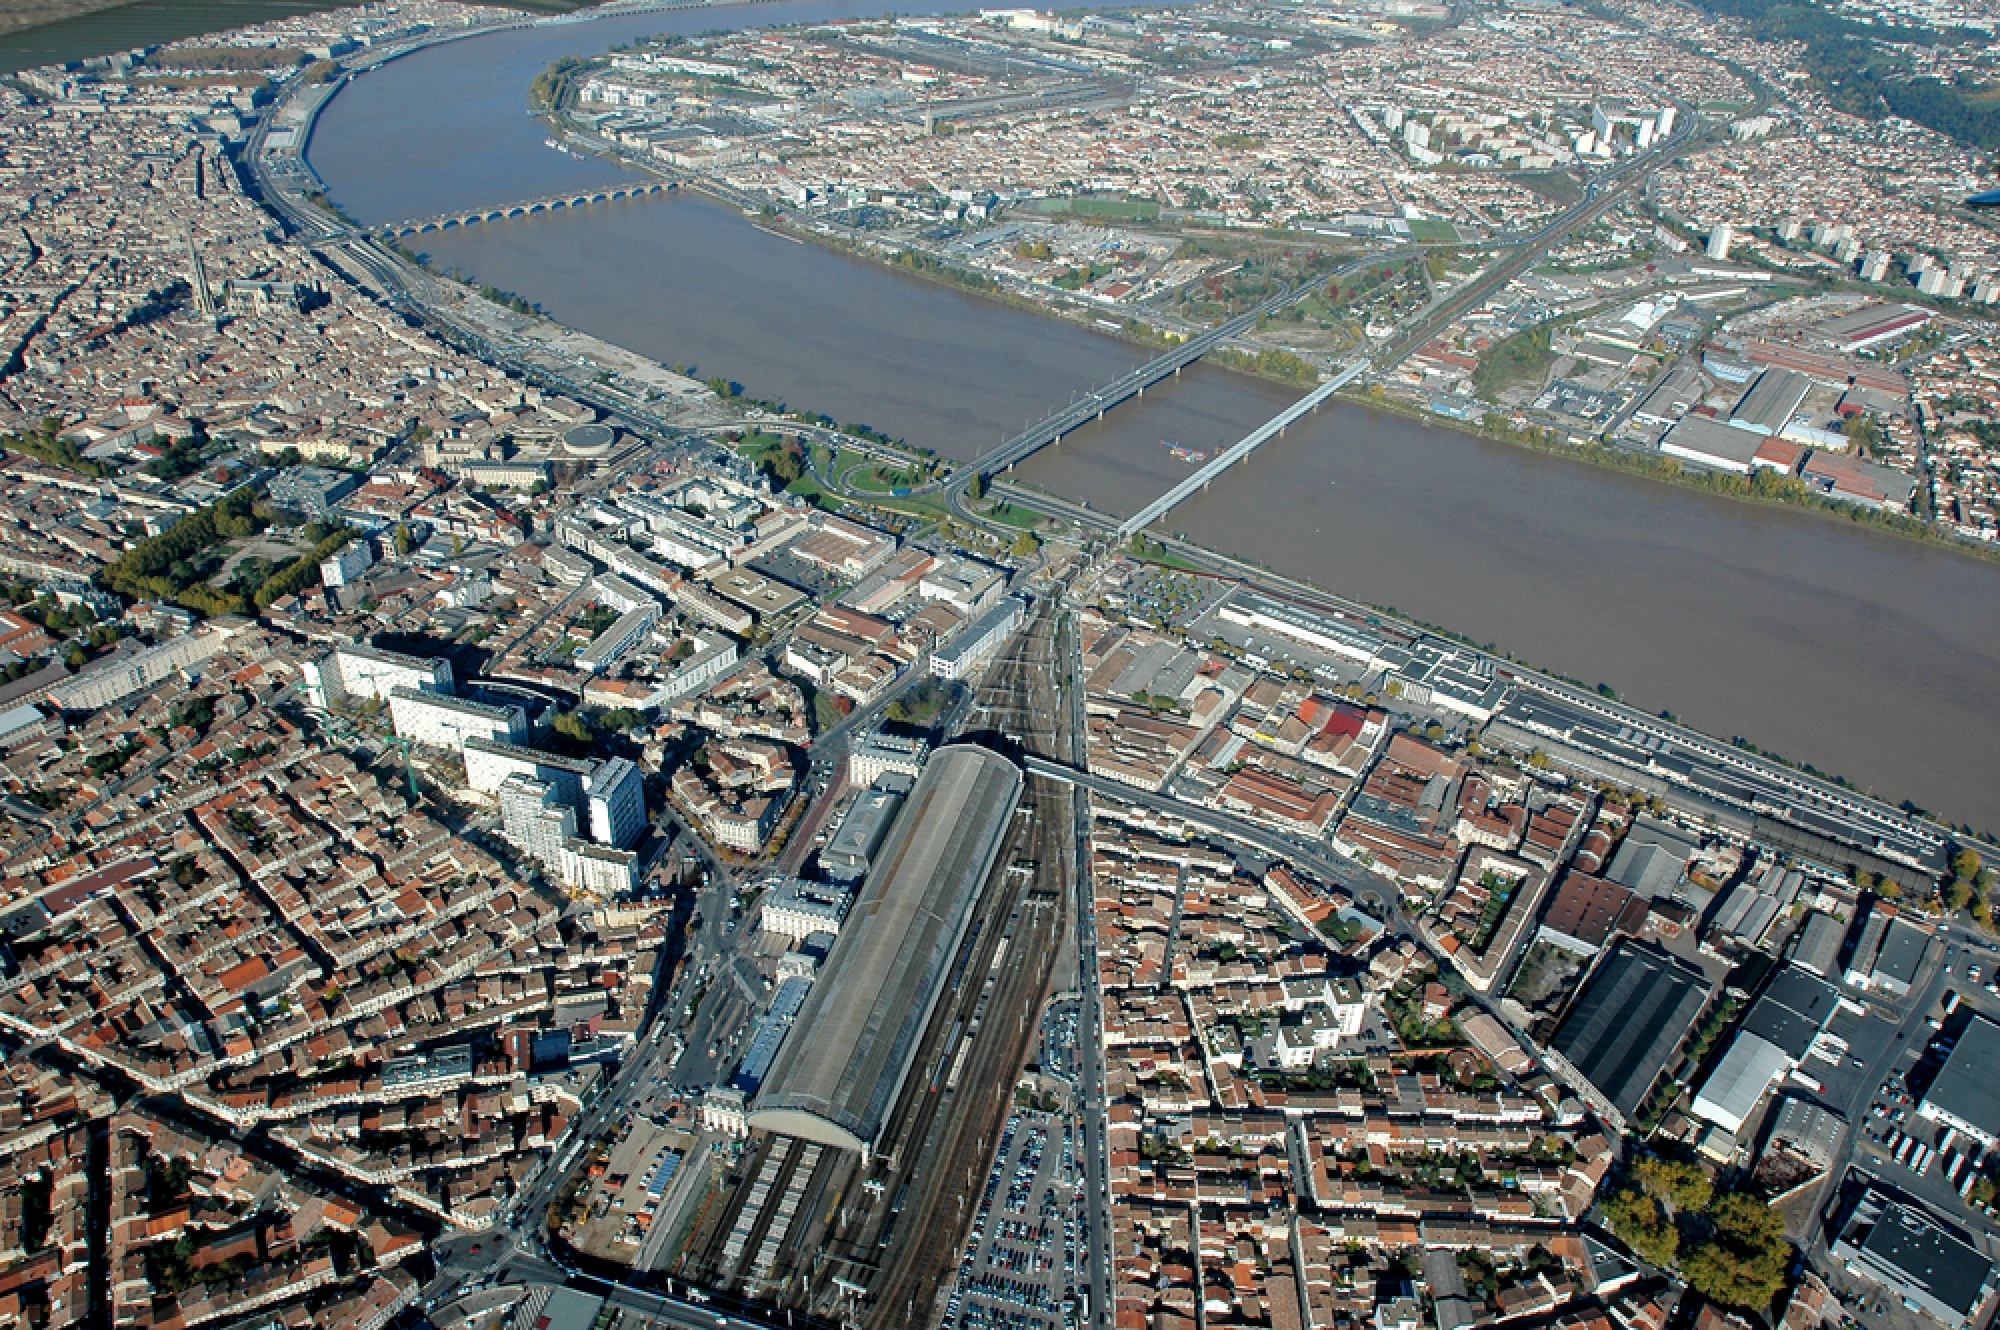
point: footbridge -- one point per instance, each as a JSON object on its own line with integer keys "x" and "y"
{"x": 447, "y": 221}
{"x": 1240, "y": 450}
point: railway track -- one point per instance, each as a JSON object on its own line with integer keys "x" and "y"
{"x": 877, "y": 1244}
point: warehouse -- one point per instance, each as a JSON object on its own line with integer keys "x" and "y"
{"x": 1628, "y": 1021}
{"x": 842, "y": 1068}
{"x": 1966, "y": 1093}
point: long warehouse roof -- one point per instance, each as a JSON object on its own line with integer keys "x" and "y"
{"x": 840, "y": 1070}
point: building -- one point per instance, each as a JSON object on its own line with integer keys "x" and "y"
{"x": 1931, "y": 1268}
{"x": 1816, "y": 946}
{"x": 438, "y": 720}
{"x": 535, "y": 818}
{"x": 979, "y": 640}
{"x": 566, "y": 567}
{"x": 771, "y": 1032}
{"x": 796, "y": 909}
{"x": 1627, "y": 1022}
{"x": 852, "y": 850}
{"x": 1737, "y": 1085}
{"x": 627, "y": 632}
{"x": 1966, "y": 1093}
{"x": 312, "y": 490}
{"x": 1771, "y": 401}
{"x": 597, "y": 870}
{"x": 517, "y": 474}
{"x": 1714, "y": 444}
{"x": 488, "y": 764}
{"x": 878, "y": 754}
{"x": 1586, "y": 912}
{"x": 620, "y": 594}
{"x": 713, "y": 658}
{"x": 347, "y": 563}
{"x": 355, "y": 670}
{"x": 1719, "y": 241}
{"x": 616, "y": 795}
{"x": 841, "y": 1072}
{"x": 1890, "y": 951}
{"x": 124, "y": 673}
{"x": 968, "y": 587}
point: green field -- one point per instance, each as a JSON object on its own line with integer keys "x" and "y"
{"x": 1431, "y": 231}
{"x": 1117, "y": 210}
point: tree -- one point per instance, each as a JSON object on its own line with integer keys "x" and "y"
{"x": 977, "y": 489}
{"x": 1966, "y": 865}
{"x": 1025, "y": 545}
{"x": 405, "y": 542}
{"x": 572, "y": 725}
{"x": 1743, "y": 1262}
{"x": 1643, "y": 1226}
{"x": 1684, "y": 1186}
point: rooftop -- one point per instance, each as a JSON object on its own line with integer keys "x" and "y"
{"x": 838, "y": 1075}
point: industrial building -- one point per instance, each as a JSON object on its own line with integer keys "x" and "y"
{"x": 440, "y": 721}
{"x": 840, "y": 1073}
{"x": 1966, "y": 1093}
{"x": 976, "y": 643}
{"x": 1627, "y": 1023}
{"x": 1816, "y": 945}
{"x": 1929, "y": 1267}
{"x": 852, "y": 850}
{"x": 1890, "y": 951}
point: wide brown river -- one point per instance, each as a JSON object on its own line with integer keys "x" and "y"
{"x": 1867, "y": 655}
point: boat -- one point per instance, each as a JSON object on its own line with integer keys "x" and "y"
{"x": 1183, "y": 454}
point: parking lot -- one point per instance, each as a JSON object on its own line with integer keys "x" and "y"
{"x": 1019, "y": 1271}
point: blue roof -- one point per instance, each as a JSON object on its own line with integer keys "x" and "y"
{"x": 1990, "y": 199}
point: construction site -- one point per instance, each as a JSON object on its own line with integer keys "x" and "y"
{"x": 854, "y": 1193}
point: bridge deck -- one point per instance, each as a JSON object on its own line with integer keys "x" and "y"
{"x": 1250, "y": 442}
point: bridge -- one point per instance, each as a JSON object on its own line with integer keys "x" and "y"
{"x": 446, "y": 222}
{"x": 1240, "y": 450}
{"x": 1092, "y": 407}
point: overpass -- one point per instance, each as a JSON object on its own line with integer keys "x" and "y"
{"x": 447, "y": 221}
{"x": 1240, "y": 450}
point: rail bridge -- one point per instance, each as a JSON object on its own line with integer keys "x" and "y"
{"x": 447, "y": 221}
{"x": 1134, "y": 384}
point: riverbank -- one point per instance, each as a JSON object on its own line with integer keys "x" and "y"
{"x": 1764, "y": 489}
{"x": 1281, "y": 366}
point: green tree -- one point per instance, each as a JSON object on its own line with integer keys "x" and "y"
{"x": 1025, "y": 545}
{"x": 1643, "y": 1226}
{"x": 572, "y": 725}
{"x": 977, "y": 489}
{"x": 1743, "y": 1261}
{"x": 405, "y": 542}
{"x": 1966, "y": 865}
{"x": 1684, "y": 1186}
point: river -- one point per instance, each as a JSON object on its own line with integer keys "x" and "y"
{"x": 1862, "y": 653}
